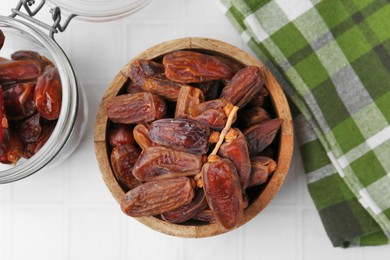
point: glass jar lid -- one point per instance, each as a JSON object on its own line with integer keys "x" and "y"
{"x": 99, "y": 10}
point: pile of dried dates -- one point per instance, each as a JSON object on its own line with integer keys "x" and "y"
{"x": 190, "y": 137}
{"x": 30, "y": 103}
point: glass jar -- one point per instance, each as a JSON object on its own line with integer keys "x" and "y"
{"x": 72, "y": 121}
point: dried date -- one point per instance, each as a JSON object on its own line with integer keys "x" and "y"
{"x": 223, "y": 192}
{"x": 156, "y": 163}
{"x": 213, "y": 113}
{"x": 123, "y": 159}
{"x": 194, "y": 67}
{"x": 188, "y": 97}
{"x": 261, "y": 168}
{"x": 205, "y": 216}
{"x": 244, "y": 85}
{"x": 254, "y": 116}
{"x": 188, "y": 210}
{"x": 136, "y": 108}
{"x": 2, "y": 38}
{"x": 181, "y": 134}
{"x": 19, "y": 70}
{"x": 30, "y": 129}
{"x": 141, "y": 136}
{"x": 32, "y": 148}
{"x": 261, "y": 135}
{"x": 120, "y": 134}
{"x": 48, "y": 93}
{"x": 19, "y": 101}
{"x": 14, "y": 150}
{"x": 156, "y": 197}
{"x": 31, "y": 55}
{"x": 235, "y": 148}
{"x": 4, "y": 131}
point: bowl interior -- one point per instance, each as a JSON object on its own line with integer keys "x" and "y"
{"x": 260, "y": 196}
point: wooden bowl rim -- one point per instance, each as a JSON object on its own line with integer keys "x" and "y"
{"x": 281, "y": 108}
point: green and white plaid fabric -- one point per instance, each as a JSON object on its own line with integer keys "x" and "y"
{"x": 332, "y": 59}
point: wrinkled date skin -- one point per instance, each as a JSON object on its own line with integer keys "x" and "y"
{"x": 19, "y": 70}
{"x": 236, "y": 149}
{"x": 14, "y": 150}
{"x": 32, "y": 148}
{"x": 48, "y": 93}
{"x": 181, "y": 134}
{"x": 194, "y": 67}
{"x": 156, "y": 197}
{"x": 213, "y": 113}
{"x": 123, "y": 159}
{"x": 31, "y": 55}
{"x": 188, "y": 97}
{"x": 157, "y": 163}
{"x": 136, "y": 108}
{"x": 4, "y": 132}
{"x": 187, "y": 211}
{"x": 223, "y": 192}
{"x": 211, "y": 89}
{"x": 261, "y": 168}
{"x": 254, "y": 116}
{"x": 141, "y": 136}
{"x": 244, "y": 85}
{"x": 30, "y": 129}
{"x": 120, "y": 134}
{"x": 261, "y": 135}
{"x": 19, "y": 101}
{"x": 206, "y": 215}
{"x": 150, "y": 77}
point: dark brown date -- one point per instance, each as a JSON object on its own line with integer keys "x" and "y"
{"x": 136, "y": 108}
{"x": 235, "y": 148}
{"x": 132, "y": 88}
{"x": 120, "y": 134}
{"x": 14, "y": 150}
{"x": 211, "y": 89}
{"x": 156, "y": 197}
{"x": 244, "y": 85}
{"x": 150, "y": 77}
{"x": 205, "y": 216}
{"x": 259, "y": 99}
{"x": 19, "y": 70}
{"x": 181, "y": 134}
{"x": 4, "y": 132}
{"x": 213, "y": 113}
{"x": 261, "y": 135}
{"x": 254, "y": 116}
{"x": 32, "y": 148}
{"x": 31, "y": 55}
{"x": 30, "y": 129}
{"x": 223, "y": 191}
{"x": 19, "y": 101}
{"x": 188, "y": 97}
{"x": 156, "y": 163}
{"x": 141, "y": 136}
{"x": 2, "y": 38}
{"x": 261, "y": 168}
{"x": 48, "y": 93}
{"x": 194, "y": 67}
{"x": 187, "y": 211}
{"x": 123, "y": 159}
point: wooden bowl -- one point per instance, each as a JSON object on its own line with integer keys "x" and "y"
{"x": 281, "y": 109}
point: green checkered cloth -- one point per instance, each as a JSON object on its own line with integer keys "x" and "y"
{"x": 332, "y": 59}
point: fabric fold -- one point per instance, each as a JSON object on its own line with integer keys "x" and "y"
{"x": 332, "y": 59}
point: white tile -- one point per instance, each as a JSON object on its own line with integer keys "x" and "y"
{"x": 159, "y": 10}
{"x": 95, "y": 50}
{"x": 44, "y": 186}
{"x": 201, "y": 10}
{"x": 147, "y": 243}
{"x": 144, "y": 35}
{"x": 4, "y": 233}
{"x": 211, "y": 246}
{"x": 268, "y": 233}
{"x": 86, "y": 184}
{"x": 376, "y": 252}
{"x": 36, "y": 233}
{"x": 94, "y": 233}
{"x": 316, "y": 244}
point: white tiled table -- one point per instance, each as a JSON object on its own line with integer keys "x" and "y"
{"x": 68, "y": 213}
